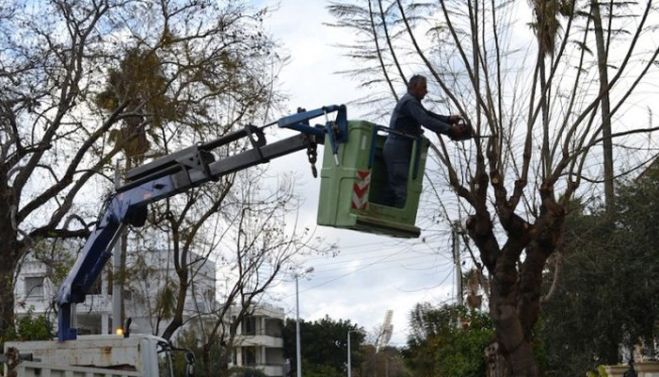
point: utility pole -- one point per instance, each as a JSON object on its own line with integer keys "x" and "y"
{"x": 117, "y": 270}
{"x": 455, "y": 238}
{"x": 298, "y": 349}
{"x": 298, "y": 356}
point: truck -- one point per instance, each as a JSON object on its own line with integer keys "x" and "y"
{"x": 92, "y": 355}
{"x": 150, "y": 356}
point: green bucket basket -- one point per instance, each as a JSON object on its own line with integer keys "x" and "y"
{"x": 352, "y": 193}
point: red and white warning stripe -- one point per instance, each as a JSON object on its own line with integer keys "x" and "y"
{"x": 360, "y": 189}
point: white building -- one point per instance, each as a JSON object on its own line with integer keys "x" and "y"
{"x": 152, "y": 274}
{"x": 258, "y": 341}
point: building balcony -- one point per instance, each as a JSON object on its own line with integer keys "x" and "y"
{"x": 271, "y": 370}
{"x": 95, "y": 304}
{"x": 269, "y": 341}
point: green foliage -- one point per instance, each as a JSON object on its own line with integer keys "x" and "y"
{"x": 29, "y": 327}
{"x": 447, "y": 341}
{"x": 387, "y": 361}
{"x": 166, "y": 300}
{"x": 462, "y": 355}
{"x": 321, "y": 370}
{"x": 325, "y": 346}
{"x": 599, "y": 372}
{"x": 608, "y": 293}
{"x": 139, "y": 78}
{"x": 34, "y": 328}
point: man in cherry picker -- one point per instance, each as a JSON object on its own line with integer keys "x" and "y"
{"x": 406, "y": 121}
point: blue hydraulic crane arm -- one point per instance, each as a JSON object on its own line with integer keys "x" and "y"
{"x": 173, "y": 174}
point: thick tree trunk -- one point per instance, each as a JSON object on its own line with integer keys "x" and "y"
{"x": 183, "y": 284}
{"x": 516, "y": 291}
{"x": 6, "y": 295}
{"x": 522, "y": 361}
{"x": 515, "y": 345}
{"x": 9, "y": 252}
{"x": 177, "y": 320}
{"x": 181, "y": 267}
{"x": 497, "y": 366}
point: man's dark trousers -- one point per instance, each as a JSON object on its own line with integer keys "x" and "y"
{"x": 397, "y": 153}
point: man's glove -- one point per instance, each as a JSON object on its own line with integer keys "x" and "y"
{"x": 454, "y": 119}
{"x": 461, "y": 131}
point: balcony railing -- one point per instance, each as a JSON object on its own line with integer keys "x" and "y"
{"x": 259, "y": 340}
{"x": 262, "y": 332}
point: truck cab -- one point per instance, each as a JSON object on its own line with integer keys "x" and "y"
{"x": 139, "y": 355}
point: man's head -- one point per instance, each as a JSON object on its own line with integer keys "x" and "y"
{"x": 417, "y": 86}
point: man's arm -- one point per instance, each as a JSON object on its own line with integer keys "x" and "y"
{"x": 424, "y": 117}
{"x": 444, "y": 118}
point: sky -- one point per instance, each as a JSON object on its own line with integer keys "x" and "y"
{"x": 371, "y": 274}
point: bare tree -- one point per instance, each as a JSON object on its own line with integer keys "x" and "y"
{"x": 56, "y": 109}
{"x": 246, "y": 235}
{"x": 49, "y": 149}
{"x": 262, "y": 248}
{"x": 537, "y": 100}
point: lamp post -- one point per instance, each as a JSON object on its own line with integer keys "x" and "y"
{"x": 298, "y": 348}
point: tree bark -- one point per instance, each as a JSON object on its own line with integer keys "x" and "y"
{"x": 515, "y": 344}
{"x": 516, "y": 289}
{"x": 181, "y": 267}
{"x": 10, "y": 251}
{"x": 177, "y": 320}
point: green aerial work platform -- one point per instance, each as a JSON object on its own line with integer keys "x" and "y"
{"x": 353, "y": 192}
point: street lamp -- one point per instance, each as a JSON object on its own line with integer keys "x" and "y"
{"x": 297, "y": 323}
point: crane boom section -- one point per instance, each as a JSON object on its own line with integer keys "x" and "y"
{"x": 174, "y": 174}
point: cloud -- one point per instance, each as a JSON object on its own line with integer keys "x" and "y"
{"x": 310, "y": 78}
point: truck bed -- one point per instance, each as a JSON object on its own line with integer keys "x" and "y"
{"x": 38, "y": 369}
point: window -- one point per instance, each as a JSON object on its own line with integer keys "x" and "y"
{"x": 34, "y": 286}
{"x": 249, "y": 356}
{"x": 273, "y": 327}
{"x": 249, "y": 326}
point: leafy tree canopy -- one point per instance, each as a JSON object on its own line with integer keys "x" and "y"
{"x": 447, "y": 341}
{"x": 609, "y": 293}
{"x": 324, "y": 345}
